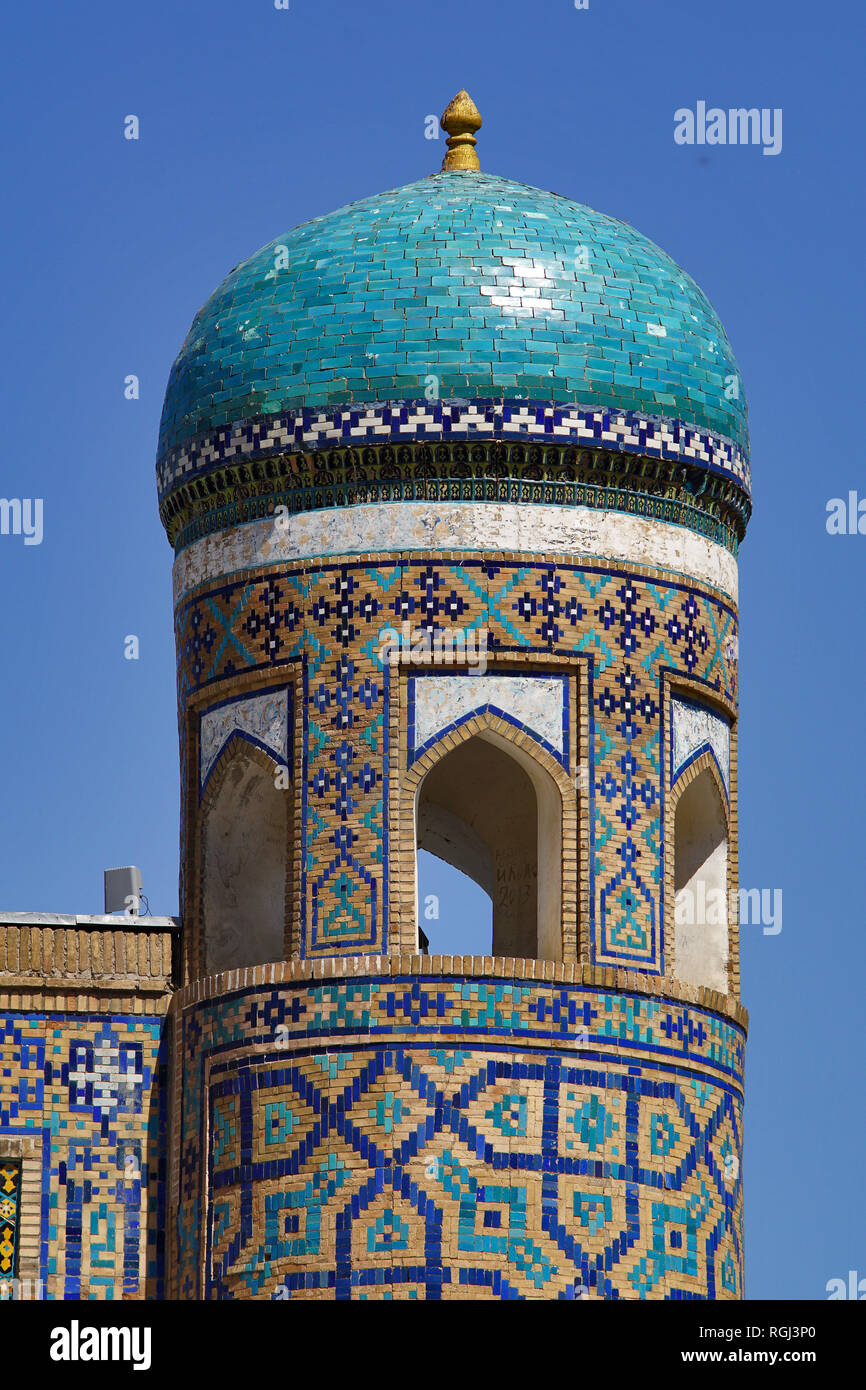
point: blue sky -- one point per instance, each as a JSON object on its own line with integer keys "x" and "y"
{"x": 253, "y": 120}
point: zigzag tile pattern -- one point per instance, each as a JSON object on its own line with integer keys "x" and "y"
{"x": 465, "y": 1152}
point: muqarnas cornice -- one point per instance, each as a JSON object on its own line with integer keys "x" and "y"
{"x": 710, "y": 502}
{"x": 484, "y": 420}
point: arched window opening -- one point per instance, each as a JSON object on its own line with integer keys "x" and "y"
{"x": 701, "y": 886}
{"x": 245, "y": 870}
{"x": 489, "y": 810}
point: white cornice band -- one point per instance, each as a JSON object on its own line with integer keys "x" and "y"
{"x": 581, "y": 533}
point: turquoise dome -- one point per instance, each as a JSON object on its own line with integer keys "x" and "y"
{"x": 496, "y": 289}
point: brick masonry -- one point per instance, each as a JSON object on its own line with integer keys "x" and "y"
{"x": 83, "y": 1102}
{"x": 438, "y": 1128}
{"x": 623, "y": 638}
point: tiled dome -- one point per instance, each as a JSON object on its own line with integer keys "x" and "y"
{"x": 498, "y": 290}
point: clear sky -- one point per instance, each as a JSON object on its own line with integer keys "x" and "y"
{"x": 254, "y": 119}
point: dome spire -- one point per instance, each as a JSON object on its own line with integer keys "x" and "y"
{"x": 461, "y": 119}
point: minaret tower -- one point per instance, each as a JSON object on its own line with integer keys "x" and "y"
{"x": 455, "y": 478}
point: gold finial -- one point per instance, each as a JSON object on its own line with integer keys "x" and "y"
{"x": 461, "y": 120}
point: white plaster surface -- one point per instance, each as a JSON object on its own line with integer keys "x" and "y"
{"x": 700, "y": 883}
{"x": 692, "y": 726}
{"x": 372, "y": 527}
{"x": 263, "y": 717}
{"x": 245, "y": 870}
{"x": 533, "y": 701}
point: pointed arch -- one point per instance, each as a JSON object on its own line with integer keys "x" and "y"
{"x": 699, "y": 878}
{"x": 501, "y": 808}
{"x": 245, "y": 863}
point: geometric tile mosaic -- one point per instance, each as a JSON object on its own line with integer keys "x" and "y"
{"x": 91, "y": 1086}
{"x": 433, "y": 1159}
{"x": 538, "y": 420}
{"x": 626, "y": 626}
{"x": 10, "y": 1211}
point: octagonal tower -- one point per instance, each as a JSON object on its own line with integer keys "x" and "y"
{"x": 455, "y": 478}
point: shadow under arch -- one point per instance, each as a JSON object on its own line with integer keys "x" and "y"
{"x": 700, "y": 878}
{"x": 494, "y": 804}
{"x": 245, "y": 860}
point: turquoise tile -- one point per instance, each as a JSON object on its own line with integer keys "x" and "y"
{"x": 409, "y": 275}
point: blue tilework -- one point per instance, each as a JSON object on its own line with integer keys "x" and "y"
{"x": 627, "y": 629}
{"x": 516, "y": 421}
{"x": 93, "y": 1087}
{"x": 496, "y": 289}
{"x": 514, "y": 1166}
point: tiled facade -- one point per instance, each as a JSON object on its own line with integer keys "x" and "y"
{"x": 363, "y": 1123}
{"x": 621, "y": 641}
{"x": 439, "y": 1129}
{"x": 83, "y": 1103}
